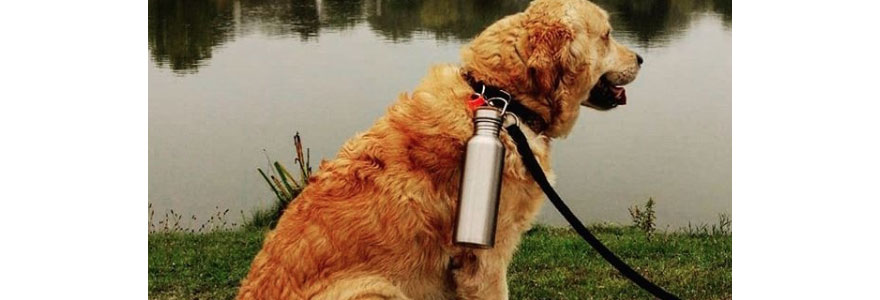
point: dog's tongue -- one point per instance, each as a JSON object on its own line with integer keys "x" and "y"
{"x": 619, "y": 95}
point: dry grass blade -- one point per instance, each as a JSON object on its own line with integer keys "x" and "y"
{"x": 284, "y": 192}
{"x": 274, "y": 190}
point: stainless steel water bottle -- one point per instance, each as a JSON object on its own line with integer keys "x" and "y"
{"x": 480, "y": 181}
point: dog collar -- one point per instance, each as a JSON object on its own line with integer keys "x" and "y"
{"x": 526, "y": 115}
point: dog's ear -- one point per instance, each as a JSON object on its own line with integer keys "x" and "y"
{"x": 547, "y": 42}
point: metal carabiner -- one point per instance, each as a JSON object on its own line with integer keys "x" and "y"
{"x": 503, "y": 108}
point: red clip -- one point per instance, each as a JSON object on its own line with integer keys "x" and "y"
{"x": 476, "y": 101}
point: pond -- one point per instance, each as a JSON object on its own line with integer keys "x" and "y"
{"x": 231, "y": 82}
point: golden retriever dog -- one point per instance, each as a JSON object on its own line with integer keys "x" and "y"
{"x": 376, "y": 222}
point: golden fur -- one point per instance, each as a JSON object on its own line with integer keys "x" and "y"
{"x": 376, "y": 221}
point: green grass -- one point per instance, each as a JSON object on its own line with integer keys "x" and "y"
{"x": 552, "y": 263}
{"x": 200, "y": 266}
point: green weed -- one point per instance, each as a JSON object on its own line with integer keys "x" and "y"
{"x": 644, "y": 219}
{"x": 285, "y": 186}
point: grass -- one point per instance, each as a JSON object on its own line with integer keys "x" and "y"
{"x": 200, "y": 266}
{"x": 552, "y": 263}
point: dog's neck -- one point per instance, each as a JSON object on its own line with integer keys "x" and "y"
{"x": 532, "y": 119}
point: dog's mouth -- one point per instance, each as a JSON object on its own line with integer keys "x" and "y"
{"x": 605, "y": 95}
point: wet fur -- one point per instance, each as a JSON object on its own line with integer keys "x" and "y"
{"x": 376, "y": 221}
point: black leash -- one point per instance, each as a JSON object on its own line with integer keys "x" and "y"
{"x": 522, "y": 146}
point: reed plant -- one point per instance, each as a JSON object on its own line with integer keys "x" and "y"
{"x": 284, "y": 185}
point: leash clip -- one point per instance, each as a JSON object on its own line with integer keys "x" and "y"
{"x": 505, "y": 99}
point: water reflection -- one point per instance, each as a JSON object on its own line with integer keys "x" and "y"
{"x": 183, "y": 33}
{"x": 455, "y": 19}
{"x": 281, "y": 18}
{"x": 657, "y": 21}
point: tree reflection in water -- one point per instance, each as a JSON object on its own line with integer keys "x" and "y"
{"x": 183, "y": 33}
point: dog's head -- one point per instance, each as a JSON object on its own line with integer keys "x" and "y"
{"x": 555, "y": 57}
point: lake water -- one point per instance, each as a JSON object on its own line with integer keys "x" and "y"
{"x": 228, "y": 79}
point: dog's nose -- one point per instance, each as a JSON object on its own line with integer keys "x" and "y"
{"x": 639, "y": 59}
